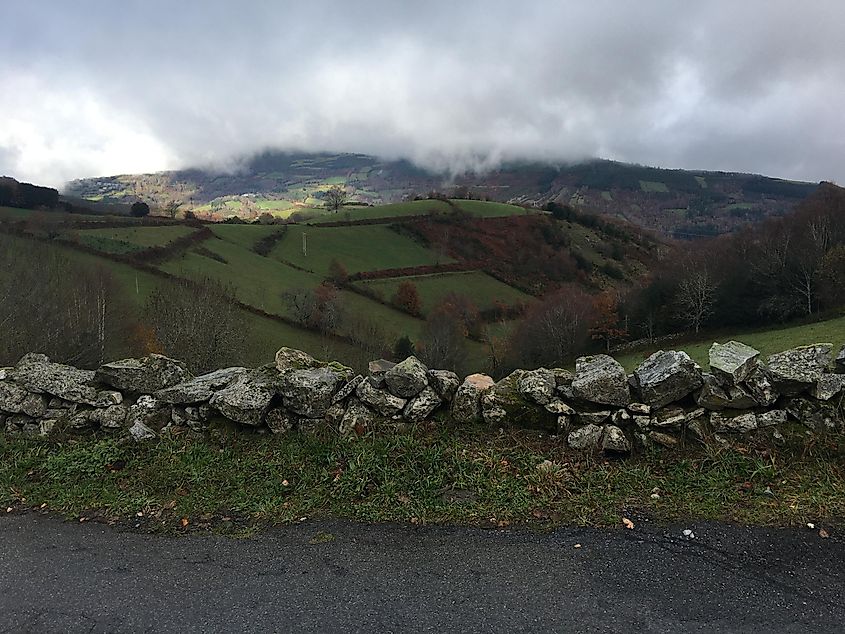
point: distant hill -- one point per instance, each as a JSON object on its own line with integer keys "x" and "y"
{"x": 675, "y": 202}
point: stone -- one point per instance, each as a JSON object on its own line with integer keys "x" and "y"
{"x": 642, "y": 422}
{"x": 733, "y": 424}
{"x": 593, "y": 418}
{"x": 614, "y": 441}
{"x": 199, "y": 389}
{"x": 422, "y": 406}
{"x": 666, "y": 377}
{"x": 291, "y": 359}
{"x": 699, "y": 429}
{"x": 46, "y": 427}
{"x": 466, "y": 406}
{"x": 557, "y": 406}
{"x": 149, "y": 411}
{"x": 79, "y": 421}
{"x": 639, "y": 408}
{"x": 113, "y": 417}
{"x": 248, "y": 397}
{"x": 445, "y": 383}
{"x": 538, "y": 385}
{"x": 34, "y": 405}
{"x": 143, "y": 376}
{"x": 761, "y": 388}
{"x": 620, "y": 418}
{"x": 665, "y": 440}
{"x": 347, "y": 389}
{"x": 36, "y": 373}
{"x": 107, "y": 398}
{"x": 563, "y": 377}
{"x": 279, "y": 420}
{"x": 407, "y": 378}
{"x": 669, "y": 417}
{"x": 309, "y": 392}
{"x": 828, "y": 386}
{"x": 715, "y": 396}
{"x": 382, "y": 401}
{"x": 564, "y": 424}
{"x": 797, "y": 370}
{"x": 771, "y": 418}
{"x": 505, "y": 405}
{"x": 733, "y": 362}
{"x": 586, "y": 437}
{"x": 819, "y": 416}
{"x": 839, "y": 362}
{"x": 334, "y": 415}
{"x": 141, "y": 433}
{"x": 357, "y": 419}
{"x": 4, "y": 372}
{"x": 376, "y": 371}
{"x": 601, "y": 379}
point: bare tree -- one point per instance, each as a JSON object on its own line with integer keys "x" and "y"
{"x": 334, "y": 198}
{"x": 695, "y": 297}
{"x": 172, "y": 208}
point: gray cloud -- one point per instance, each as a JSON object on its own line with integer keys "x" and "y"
{"x": 105, "y": 87}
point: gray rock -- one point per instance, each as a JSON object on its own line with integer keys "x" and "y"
{"x": 46, "y": 427}
{"x": 36, "y": 373}
{"x": 593, "y": 418}
{"x": 376, "y": 371}
{"x": 601, "y": 379}
{"x": 563, "y": 377}
{"x": 771, "y": 418}
{"x": 797, "y": 370}
{"x": 639, "y": 408}
{"x": 141, "y": 433}
{"x": 666, "y": 377}
{"x": 820, "y": 416}
{"x": 445, "y": 383}
{"x": 761, "y": 388}
{"x": 715, "y": 396}
{"x": 422, "y": 406}
{"x": 839, "y": 362}
{"x": 382, "y": 401}
{"x": 309, "y": 392}
{"x": 466, "y": 406}
{"x": 291, "y": 359}
{"x": 79, "y": 421}
{"x": 733, "y": 424}
{"x": 347, "y": 389}
{"x": 113, "y": 417}
{"x": 149, "y": 411}
{"x": 143, "y": 376}
{"x": 538, "y": 385}
{"x": 558, "y": 407}
{"x": 505, "y": 405}
{"x": 407, "y": 378}
{"x": 4, "y": 372}
{"x": 663, "y": 439}
{"x": 620, "y": 418}
{"x": 334, "y": 415}
{"x": 34, "y": 405}
{"x": 247, "y": 398}
{"x": 107, "y": 398}
{"x": 828, "y": 386}
{"x": 733, "y": 362}
{"x": 643, "y": 423}
{"x": 586, "y": 437}
{"x": 564, "y": 424}
{"x": 200, "y": 388}
{"x": 280, "y": 420}
{"x": 358, "y": 418}
{"x": 614, "y": 440}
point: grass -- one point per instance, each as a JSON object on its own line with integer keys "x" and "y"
{"x": 766, "y": 341}
{"x": 422, "y": 208}
{"x": 243, "y": 235}
{"x": 483, "y": 290}
{"x": 358, "y": 248}
{"x": 653, "y": 186}
{"x": 131, "y": 239}
{"x": 429, "y": 475}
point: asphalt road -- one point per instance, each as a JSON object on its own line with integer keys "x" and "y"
{"x": 68, "y": 577}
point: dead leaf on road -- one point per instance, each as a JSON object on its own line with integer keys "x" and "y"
{"x": 823, "y": 533}
{"x": 628, "y": 523}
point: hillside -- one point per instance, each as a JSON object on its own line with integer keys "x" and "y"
{"x": 678, "y": 202}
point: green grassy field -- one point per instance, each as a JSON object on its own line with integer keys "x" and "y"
{"x": 422, "y": 208}
{"x": 358, "y": 248}
{"x": 483, "y": 290}
{"x": 131, "y": 239}
{"x": 244, "y": 235}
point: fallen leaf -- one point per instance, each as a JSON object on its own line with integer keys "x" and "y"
{"x": 823, "y": 533}
{"x": 628, "y": 523}
{"x": 577, "y": 545}
{"x": 285, "y": 483}
{"x": 184, "y": 522}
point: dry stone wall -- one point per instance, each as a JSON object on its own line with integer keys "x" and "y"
{"x": 667, "y": 400}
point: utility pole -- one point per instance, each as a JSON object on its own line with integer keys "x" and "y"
{"x": 304, "y": 245}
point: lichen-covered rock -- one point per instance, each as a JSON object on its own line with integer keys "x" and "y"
{"x": 640, "y": 409}
{"x": 466, "y": 406}
{"x": 839, "y": 362}
{"x": 445, "y": 383}
{"x": 564, "y": 424}
{"x": 669, "y": 417}
{"x": 614, "y": 441}
{"x": 797, "y": 370}
{"x": 733, "y": 362}
{"x": 828, "y": 386}
{"x": 663, "y": 439}
{"x": 34, "y": 405}
{"x": 820, "y": 416}
{"x": 563, "y": 377}
{"x": 771, "y": 418}
{"x": 107, "y": 398}
{"x": 149, "y": 411}
{"x": 291, "y": 359}
{"x": 348, "y": 389}
{"x": 422, "y": 406}
{"x": 559, "y": 408}
{"x": 11, "y": 397}
{"x": 376, "y": 371}
{"x": 247, "y": 398}
{"x": 761, "y": 388}
{"x": 143, "y": 376}
{"x": 279, "y": 420}
{"x": 666, "y": 377}
{"x": 309, "y": 392}
{"x": 36, "y": 373}
{"x": 113, "y": 417}
{"x": 715, "y": 396}
{"x": 504, "y": 405}
{"x": 382, "y": 401}
{"x": 139, "y": 432}
{"x": 593, "y": 417}
{"x": 538, "y": 385}
{"x": 407, "y": 378}
{"x": 200, "y": 388}
{"x": 358, "y": 418}
{"x": 586, "y": 437}
{"x": 733, "y": 423}
{"x": 79, "y": 421}
{"x": 601, "y": 379}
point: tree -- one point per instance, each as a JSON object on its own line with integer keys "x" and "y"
{"x": 197, "y": 322}
{"x": 407, "y": 298}
{"x": 695, "y": 297}
{"x": 443, "y": 340}
{"x": 171, "y": 208}
{"x": 403, "y": 348}
{"x": 337, "y": 272}
{"x": 140, "y": 209}
{"x": 334, "y": 198}
{"x": 606, "y": 325}
{"x": 320, "y": 309}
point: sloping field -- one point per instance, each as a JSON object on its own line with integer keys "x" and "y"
{"x": 482, "y": 209}
{"x": 131, "y": 239}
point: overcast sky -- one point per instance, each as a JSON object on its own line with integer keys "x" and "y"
{"x": 96, "y": 88}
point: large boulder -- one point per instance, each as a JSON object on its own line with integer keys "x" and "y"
{"x": 247, "y": 398}
{"x": 199, "y": 389}
{"x": 538, "y": 385}
{"x": 505, "y": 405}
{"x": 733, "y": 362}
{"x": 309, "y": 392}
{"x": 601, "y": 379}
{"x": 407, "y": 378}
{"x": 36, "y": 373}
{"x": 466, "y": 406}
{"x": 666, "y": 377}
{"x": 380, "y": 400}
{"x": 143, "y": 376}
{"x": 797, "y": 370}
{"x": 445, "y": 383}
{"x": 422, "y": 406}
{"x": 715, "y": 396}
